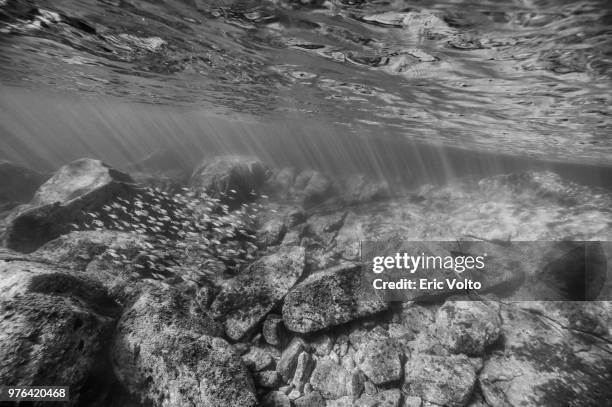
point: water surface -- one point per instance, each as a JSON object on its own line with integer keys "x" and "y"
{"x": 420, "y": 92}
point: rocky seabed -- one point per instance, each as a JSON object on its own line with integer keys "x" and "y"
{"x": 287, "y": 329}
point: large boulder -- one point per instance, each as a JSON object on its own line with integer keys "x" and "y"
{"x": 54, "y": 328}
{"x": 167, "y": 352}
{"x": 17, "y": 184}
{"x": 329, "y": 298}
{"x": 544, "y": 363}
{"x": 246, "y": 300}
{"x": 235, "y": 179}
{"x": 83, "y": 186}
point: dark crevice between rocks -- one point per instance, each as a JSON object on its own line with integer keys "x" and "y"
{"x": 102, "y": 388}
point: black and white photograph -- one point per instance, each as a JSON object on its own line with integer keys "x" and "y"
{"x": 306, "y": 203}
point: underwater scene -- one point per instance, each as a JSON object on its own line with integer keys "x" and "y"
{"x": 193, "y": 194}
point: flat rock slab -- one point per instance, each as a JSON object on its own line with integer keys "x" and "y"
{"x": 328, "y": 298}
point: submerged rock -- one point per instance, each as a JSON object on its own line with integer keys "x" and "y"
{"x": 380, "y": 360}
{"x": 249, "y": 297}
{"x": 545, "y": 364}
{"x": 167, "y": 353}
{"x": 467, "y": 326}
{"x": 54, "y": 328}
{"x": 82, "y": 186}
{"x": 235, "y": 179}
{"x": 328, "y": 298}
{"x": 386, "y": 398}
{"x": 267, "y": 379}
{"x": 257, "y": 359}
{"x": 331, "y": 380}
{"x": 289, "y": 358}
{"x": 446, "y": 381}
{"x": 273, "y": 330}
{"x": 303, "y": 369}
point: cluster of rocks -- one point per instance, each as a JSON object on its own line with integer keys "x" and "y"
{"x": 292, "y": 328}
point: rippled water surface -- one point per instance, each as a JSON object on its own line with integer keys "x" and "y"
{"x": 524, "y": 77}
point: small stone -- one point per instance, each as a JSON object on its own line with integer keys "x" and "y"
{"x": 386, "y": 398}
{"x": 356, "y": 384}
{"x": 274, "y": 330}
{"x": 241, "y": 348}
{"x": 288, "y": 360}
{"x": 412, "y": 401}
{"x": 333, "y": 356}
{"x": 322, "y": 345}
{"x": 347, "y": 362}
{"x": 369, "y": 388}
{"x": 294, "y": 394}
{"x": 303, "y": 369}
{"x": 268, "y": 379}
{"x": 341, "y": 346}
{"x": 257, "y": 359}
